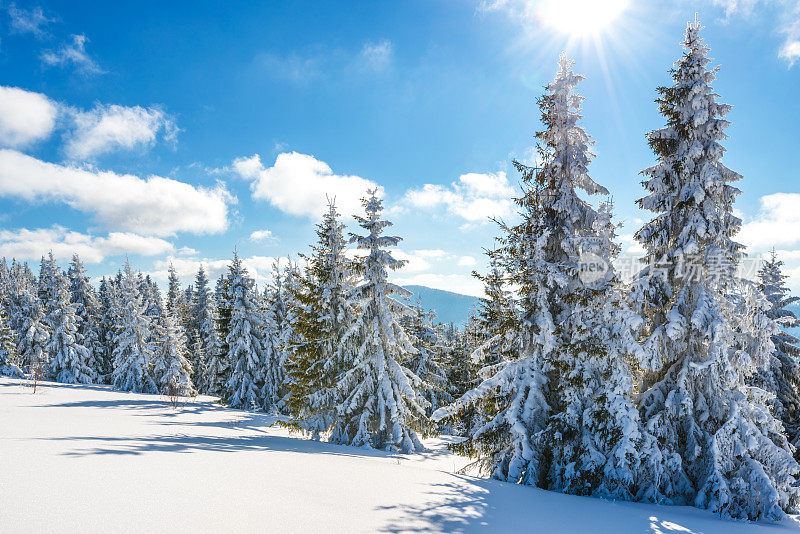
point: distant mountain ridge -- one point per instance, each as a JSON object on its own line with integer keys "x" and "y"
{"x": 449, "y": 307}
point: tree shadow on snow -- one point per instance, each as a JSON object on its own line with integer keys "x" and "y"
{"x": 156, "y": 403}
{"x": 188, "y": 443}
{"x": 468, "y": 504}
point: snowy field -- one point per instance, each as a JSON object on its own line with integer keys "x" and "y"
{"x": 91, "y": 459}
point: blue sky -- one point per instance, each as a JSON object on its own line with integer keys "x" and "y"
{"x": 176, "y": 131}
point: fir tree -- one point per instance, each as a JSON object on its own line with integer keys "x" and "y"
{"x": 557, "y": 403}
{"x": 218, "y": 365}
{"x": 34, "y": 335}
{"x": 8, "y": 349}
{"x": 106, "y": 328}
{"x": 172, "y": 370}
{"x": 210, "y": 374}
{"x": 133, "y": 352}
{"x": 245, "y": 340}
{"x": 376, "y": 399}
{"x": 426, "y": 363}
{"x": 323, "y": 316}
{"x": 782, "y": 377}
{"x": 69, "y": 359}
{"x": 720, "y": 448}
{"x": 87, "y": 314}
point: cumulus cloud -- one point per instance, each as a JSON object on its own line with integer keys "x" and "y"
{"x": 121, "y": 202}
{"x": 258, "y": 267}
{"x": 474, "y": 197}
{"x": 26, "y": 244}
{"x": 31, "y": 21}
{"x": 72, "y": 54}
{"x": 299, "y": 184}
{"x": 775, "y": 225}
{"x": 25, "y": 117}
{"x": 111, "y": 127}
{"x": 263, "y": 235}
{"x": 467, "y": 261}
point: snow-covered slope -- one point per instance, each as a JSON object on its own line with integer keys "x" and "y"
{"x": 449, "y": 307}
{"x": 90, "y": 459}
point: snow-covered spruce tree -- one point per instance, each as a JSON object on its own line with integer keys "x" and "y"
{"x": 720, "y": 448}
{"x": 69, "y": 359}
{"x": 280, "y": 309}
{"x": 87, "y": 314}
{"x": 245, "y": 340}
{"x": 210, "y": 375}
{"x": 782, "y": 377}
{"x": 376, "y": 396}
{"x": 33, "y": 335}
{"x": 223, "y": 322}
{"x": 8, "y": 349}
{"x": 462, "y": 373}
{"x": 133, "y": 352}
{"x": 496, "y": 316}
{"x": 171, "y": 369}
{"x": 323, "y": 316}
{"x": 426, "y": 362}
{"x": 106, "y": 327}
{"x": 594, "y": 435}
{"x": 560, "y": 413}
{"x": 174, "y": 293}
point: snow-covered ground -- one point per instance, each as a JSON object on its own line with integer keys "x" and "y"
{"x": 91, "y": 459}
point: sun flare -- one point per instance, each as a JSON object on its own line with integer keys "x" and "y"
{"x": 580, "y": 18}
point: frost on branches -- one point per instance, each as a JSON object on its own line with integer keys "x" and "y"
{"x": 133, "y": 352}
{"x": 376, "y": 399}
{"x": 720, "y": 448}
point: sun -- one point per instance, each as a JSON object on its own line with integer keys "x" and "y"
{"x": 580, "y": 18}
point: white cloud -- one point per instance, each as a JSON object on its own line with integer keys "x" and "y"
{"x": 474, "y": 197}
{"x": 299, "y": 184}
{"x": 776, "y": 225}
{"x": 263, "y": 235}
{"x": 187, "y": 251}
{"x": 376, "y": 56}
{"x": 25, "y": 244}
{"x": 467, "y": 261}
{"x": 72, "y": 54}
{"x": 111, "y": 127}
{"x": 435, "y": 254}
{"x": 25, "y": 117}
{"x": 788, "y": 17}
{"x": 123, "y": 202}
{"x": 258, "y": 267}
{"x": 24, "y": 21}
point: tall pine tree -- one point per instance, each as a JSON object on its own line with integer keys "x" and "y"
{"x": 720, "y": 447}
{"x": 133, "y": 351}
{"x": 376, "y": 396}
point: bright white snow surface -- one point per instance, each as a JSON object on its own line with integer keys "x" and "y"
{"x": 91, "y": 459}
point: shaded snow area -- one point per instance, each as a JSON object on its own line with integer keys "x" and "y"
{"x": 91, "y": 459}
